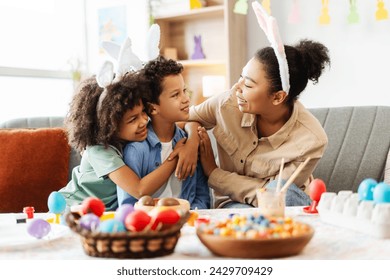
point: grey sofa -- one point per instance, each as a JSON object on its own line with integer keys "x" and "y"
{"x": 359, "y": 142}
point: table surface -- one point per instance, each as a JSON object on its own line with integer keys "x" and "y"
{"x": 328, "y": 243}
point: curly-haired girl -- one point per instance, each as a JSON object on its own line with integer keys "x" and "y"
{"x": 100, "y": 121}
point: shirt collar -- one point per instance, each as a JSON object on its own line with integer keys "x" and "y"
{"x": 247, "y": 120}
{"x": 154, "y": 141}
{"x": 279, "y": 137}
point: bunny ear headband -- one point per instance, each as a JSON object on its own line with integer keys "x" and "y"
{"x": 270, "y": 27}
{"x": 126, "y": 58}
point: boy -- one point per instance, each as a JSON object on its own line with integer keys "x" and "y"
{"x": 168, "y": 103}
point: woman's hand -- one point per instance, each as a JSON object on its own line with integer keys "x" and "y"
{"x": 206, "y": 152}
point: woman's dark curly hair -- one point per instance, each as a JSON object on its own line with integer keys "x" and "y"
{"x": 155, "y": 71}
{"x": 306, "y": 61}
{"x": 86, "y": 126}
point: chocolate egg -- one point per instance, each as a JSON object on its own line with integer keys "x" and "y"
{"x": 168, "y": 201}
{"x": 146, "y": 200}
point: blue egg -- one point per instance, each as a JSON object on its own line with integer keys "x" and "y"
{"x": 110, "y": 226}
{"x": 56, "y": 203}
{"x": 122, "y": 212}
{"x": 366, "y": 189}
{"x": 382, "y": 193}
{"x": 38, "y": 228}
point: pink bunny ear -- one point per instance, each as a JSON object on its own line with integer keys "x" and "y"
{"x": 261, "y": 15}
{"x": 276, "y": 36}
{"x": 271, "y": 30}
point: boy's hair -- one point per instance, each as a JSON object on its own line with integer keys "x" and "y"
{"x": 155, "y": 71}
{"x": 86, "y": 126}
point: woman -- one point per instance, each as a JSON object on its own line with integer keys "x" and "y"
{"x": 258, "y": 123}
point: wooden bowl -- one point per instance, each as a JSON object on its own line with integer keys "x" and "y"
{"x": 184, "y": 205}
{"x": 255, "y": 248}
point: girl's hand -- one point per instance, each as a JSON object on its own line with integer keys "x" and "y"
{"x": 179, "y": 146}
{"x": 188, "y": 159}
{"x": 206, "y": 152}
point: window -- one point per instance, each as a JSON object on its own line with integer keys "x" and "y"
{"x": 40, "y": 39}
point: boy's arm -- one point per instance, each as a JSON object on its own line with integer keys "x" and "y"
{"x": 128, "y": 177}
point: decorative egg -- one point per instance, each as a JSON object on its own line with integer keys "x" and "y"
{"x": 111, "y": 226}
{"x": 137, "y": 220}
{"x": 146, "y": 200}
{"x": 89, "y": 221}
{"x": 166, "y": 217}
{"x": 317, "y": 188}
{"x": 93, "y": 205}
{"x": 38, "y": 228}
{"x": 366, "y": 189}
{"x": 122, "y": 212}
{"x": 56, "y": 203}
{"x": 168, "y": 201}
{"x": 382, "y": 193}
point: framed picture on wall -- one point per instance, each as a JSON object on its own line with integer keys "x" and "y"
{"x": 114, "y": 20}
{"x": 112, "y": 25}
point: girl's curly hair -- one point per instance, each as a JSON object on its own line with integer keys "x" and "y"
{"x": 86, "y": 126}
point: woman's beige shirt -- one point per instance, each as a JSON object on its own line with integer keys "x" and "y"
{"x": 248, "y": 163}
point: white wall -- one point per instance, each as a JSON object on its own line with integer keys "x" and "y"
{"x": 360, "y": 53}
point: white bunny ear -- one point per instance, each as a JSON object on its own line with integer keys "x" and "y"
{"x": 153, "y": 41}
{"x": 261, "y": 14}
{"x": 112, "y": 49}
{"x": 127, "y": 60}
{"x": 105, "y": 75}
{"x": 270, "y": 28}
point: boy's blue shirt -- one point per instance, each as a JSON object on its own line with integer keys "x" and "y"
{"x": 144, "y": 157}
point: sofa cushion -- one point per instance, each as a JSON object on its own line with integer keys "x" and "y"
{"x": 359, "y": 142}
{"x": 33, "y": 163}
{"x": 387, "y": 170}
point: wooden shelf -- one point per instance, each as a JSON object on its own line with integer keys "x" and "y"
{"x": 195, "y": 14}
{"x": 222, "y": 32}
{"x": 201, "y": 62}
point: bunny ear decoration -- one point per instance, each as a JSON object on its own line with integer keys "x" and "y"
{"x": 127, "y": 60}
{"x": 112, "y": 49}
{"x": 271, "y": 30}
{"x": 153, "y": 41}
{"x": 105, "y": 75}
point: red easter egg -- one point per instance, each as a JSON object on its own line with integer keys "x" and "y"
{"x": 166, "y": 217}
{"x": 317, "y": 187}
{"x": 93, "y": 205}
{"x": 137, "y": 220}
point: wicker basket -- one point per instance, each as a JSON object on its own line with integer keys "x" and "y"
{"x": 132, "y": 245}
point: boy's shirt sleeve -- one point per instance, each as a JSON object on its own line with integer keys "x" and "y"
{"x": 104, "y": 160}
{"x": 133, "y": 159}
{"x": 202, "y": 197}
